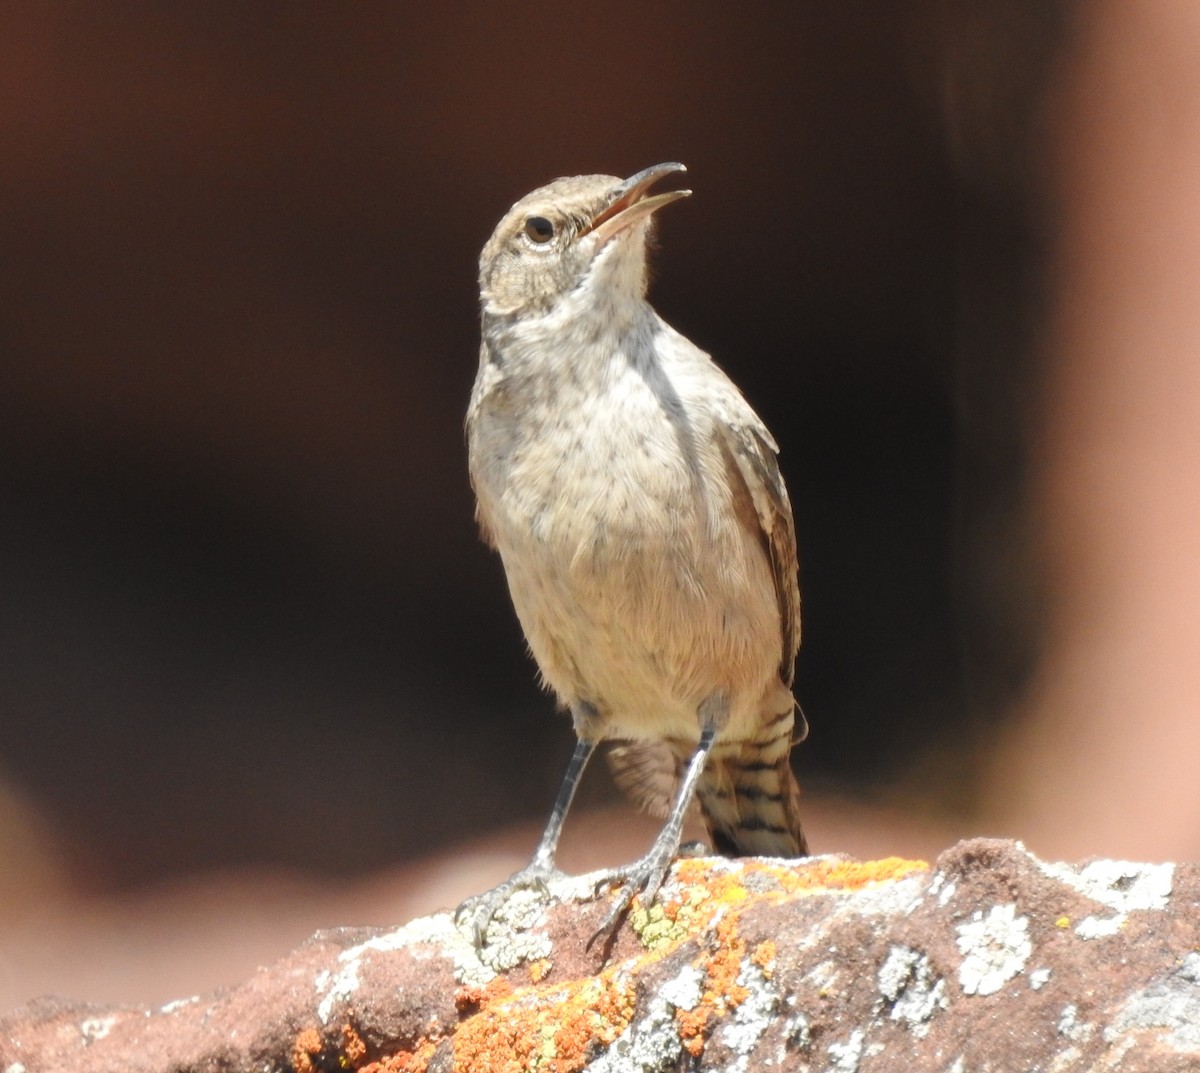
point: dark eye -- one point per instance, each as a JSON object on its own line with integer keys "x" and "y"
{"x": 538, "y": 229}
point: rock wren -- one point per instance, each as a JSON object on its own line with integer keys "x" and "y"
{"x": 645, "y": 530}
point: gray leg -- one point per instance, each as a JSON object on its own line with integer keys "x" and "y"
{"x": 645, "y": 876}
{"x": 539, "y": 871}
{"x": 543, "y": 856}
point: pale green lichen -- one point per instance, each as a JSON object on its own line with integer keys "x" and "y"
{"x": 655, "y": 929}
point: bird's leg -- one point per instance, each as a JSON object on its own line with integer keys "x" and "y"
{"x": 541, "y": 869}
{"x": 543, "y": 856}
{"x": 646, "y": 875}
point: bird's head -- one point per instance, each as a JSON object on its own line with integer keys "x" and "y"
{"x": 585, "y": 231}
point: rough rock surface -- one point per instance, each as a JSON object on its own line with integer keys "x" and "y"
{"x": 991, "y": 960}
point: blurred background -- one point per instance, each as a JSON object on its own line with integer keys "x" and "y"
{"x": 257, "y": 673}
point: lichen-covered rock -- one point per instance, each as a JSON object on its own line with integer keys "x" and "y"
{"x": 990, "y": 961}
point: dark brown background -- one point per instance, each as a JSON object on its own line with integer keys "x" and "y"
{"x": 246, "y": 612}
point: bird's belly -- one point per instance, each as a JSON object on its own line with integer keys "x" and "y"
{"x": 640, "y": 592}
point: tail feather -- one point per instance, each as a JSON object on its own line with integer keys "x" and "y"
{"x": 748, "y": 797}
{"x": 752, "y": 808}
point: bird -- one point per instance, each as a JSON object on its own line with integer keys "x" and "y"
{"x": 645, "y": 531}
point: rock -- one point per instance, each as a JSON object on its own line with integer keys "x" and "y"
{"x": 990, "y": 961}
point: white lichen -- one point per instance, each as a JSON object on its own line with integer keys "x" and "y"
{"x": 1039, "y": 978}
{"x": 1065, "y": 1061}
{"x": 797, "y": 1034}
{"x": 752, "y": 1018}
{"x": 510, "y": 938}
{"x": 96, "y": 1028}
{"x": 907, "y": 981}
{"x": 893, "y": 898}
{"x": 943, "y": 888}
{"x": 652, "y": 1042}
{"x": 846, "y": 1056}
{"x": 995, "y": 948}
{"x": 685, "y": 990}
{"x": 1070, "y": 1026}
{"x": 822, "y": 976}
{"x": 1094, "y": 927}
{"x": 1122, "y": 886}
{"x": 1171, "y": 1003}
{"x": 177, "y": 1004}
{"x": 424, "y": 937}
{"x": 339, "y": 985}
{"x": 1125, "y": 886}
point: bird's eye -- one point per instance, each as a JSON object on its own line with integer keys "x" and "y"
{"x": 538, "y": 229}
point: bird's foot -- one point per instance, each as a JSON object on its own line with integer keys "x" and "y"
{"x": 643, "y": 877}
{"x": 478, "y": 911}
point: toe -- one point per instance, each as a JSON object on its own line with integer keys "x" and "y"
{"x": 482, "y": 909}
{"x": 644, "y": 879}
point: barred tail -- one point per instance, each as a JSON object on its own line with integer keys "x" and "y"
{"x": 751, "y": 805}
{"x": 747, "y": 794}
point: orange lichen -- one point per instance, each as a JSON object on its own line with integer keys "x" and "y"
{"x": 693, "y": 1028}
{"x": 722, "y": 992}
{"x": 312, "y": 1052}
{"x": 725, "y": 965}
{"x": 553, "y": 1028}
{"x": 353, "y": 1047}
{"x": 559, "y": 1028}
{"x": 308, "y": 1043}
{"x": 705, "y": 886}
{"x": 405, "y": 1061}
{"x": 819, "y": 876}
{"x": 854, "y": 875}
{"x": 469, "y": 998}
{"x": 763, "y": 955}
{"x": 701, "y": 891}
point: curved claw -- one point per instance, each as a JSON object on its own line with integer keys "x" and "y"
{"x": 644, "y": 878}
{"x": 612, "y": 919}
{"x": 609, "y": 880}
{"x": 483, "y": 908}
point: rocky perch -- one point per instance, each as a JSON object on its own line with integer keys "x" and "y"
{"x": 989, "y": 960}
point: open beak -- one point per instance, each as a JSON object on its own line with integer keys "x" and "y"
{"x": 631, "y": 204}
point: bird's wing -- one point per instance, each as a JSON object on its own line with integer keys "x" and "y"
{"x": 750, "y": 454}
{"x": 488, "y": 378}
{"x": 752, "y": 451}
